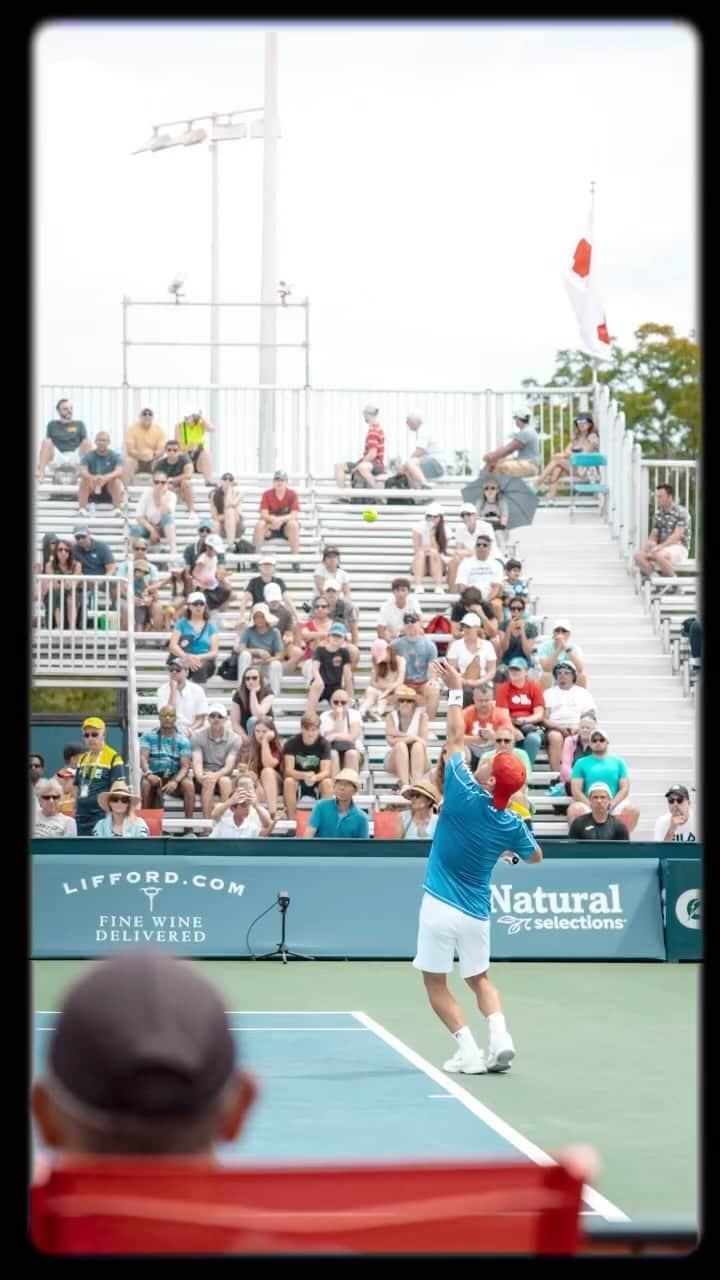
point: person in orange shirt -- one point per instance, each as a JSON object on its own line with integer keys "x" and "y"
{"x": 144, "y": 444}
{"x": 482, "y": 718}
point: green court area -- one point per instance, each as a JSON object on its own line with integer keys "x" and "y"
{"x": 606, "y": 1054}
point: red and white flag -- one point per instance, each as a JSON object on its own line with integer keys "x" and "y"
{"x": 581, "y": 284}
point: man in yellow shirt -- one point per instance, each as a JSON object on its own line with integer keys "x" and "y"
{"x": 144, "y": 444}
{"x": 190, "y": 434}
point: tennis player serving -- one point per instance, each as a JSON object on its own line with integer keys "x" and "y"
{"x": 474, "y": 829}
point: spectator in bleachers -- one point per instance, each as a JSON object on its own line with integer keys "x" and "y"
{"x": 429, "y": 548}
{"x": 515, "y": 586}
{"x": 37, "y": 768}
{"x": 178, "y": 468}
{"x": 340, "y": 816}
{"x": 307, "y": 765}
{"x": 47, "y": 551}
{"x": 195, "y": 638}
{"x": 677, "y": 826}
{"x": 482, "y": 718}
{"x": 585, "y": 439}
{"x": 95, "y": 557}
{"x": 331, "y": 669}
{"x": 573, "y": 747}
{"x": 390, "y": 619}
{"x": 566, "y": 702}
{"x": 49, "y": 822}
{"x": 65, "y": 444}
{"x": 560, "y": 648}
{"x": 261, "y": 645}
{"x": 165, "y": 757}
{"x": 187, "y": 698}
{"x": 388, "y": 673}
{"x": 279, "y": 516}
{"x": 599, "y": 823}
{"x": 214, "y": 756}
{"x": 669, "y": 541}
{"x": 340, "y": 609}
{"x": 524, "y": 699}
{"x": 471, "y": 601}
{"x": 62, "y": 563}
{"x": 71, "y": 754}
{"x": 241, "y": 816}
{"x": 197, "y": 546}
{"x": 465, "y": 534}
{"x": 205, "y": 575}
{"x": 100, "y": 477}
{"x": 252, "y": 699}
{"x": 493, "y": 510}
{"x": 286, "y": 621}
{"x": 600, "y": 766}
{"x": 341, "y": 726}
{"x": 486, "y": 573}
{"x": 329, "y": 567}
{"x": 155, "y": 513}
{"x": 419, "y": 651}
{"x": 255, "y": 590}
{"x": 121, "y": 820}
{"x": 68, "y": 797}
{"x": 406, "y": 729}
{"x": 372, "y": 462}
{"x": 525, "y": 443}
{"x": 472, "y": 655}
{"x": 693, "y": 628}
{"x": 149, "y": 612}
{"x": 225, "y": 508}
{"x": 420, "y": 821}
{"x": 191, "y": 434}
{"x": 426, "y": 462}
{"x": 266, "y": 762}
{"x": 144, "y": 444}
{"x": 98, "y": 768}
{"x": 309, "y": 633}
{"x": 517, "y": 637}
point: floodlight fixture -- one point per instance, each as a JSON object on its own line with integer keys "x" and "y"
{"x": 156, "y": 142}
{"x": 226, "y": 132}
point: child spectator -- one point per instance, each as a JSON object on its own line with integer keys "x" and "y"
{"x": 388, "y": 673}
{"x": 307, "y": 765}
{"x": 514, "y": 586}
{"x": 331, "y": 668}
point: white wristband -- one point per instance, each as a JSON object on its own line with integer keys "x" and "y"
{"x": 455, "y": 697}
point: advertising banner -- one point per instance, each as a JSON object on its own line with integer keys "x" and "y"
{"x": 95, "y": 903}
{"x": 682, "y": 907}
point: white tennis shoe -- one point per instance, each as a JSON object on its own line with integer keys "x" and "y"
{"x": 501, "y": 1053}
{"x": 468, "y": 1064}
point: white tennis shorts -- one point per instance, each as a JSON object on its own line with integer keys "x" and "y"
{"x": 444, "y": 930}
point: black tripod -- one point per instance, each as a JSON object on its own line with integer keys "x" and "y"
{"x": 281, "y": 951}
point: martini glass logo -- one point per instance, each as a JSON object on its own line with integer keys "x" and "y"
{"x": 151, "y": 894}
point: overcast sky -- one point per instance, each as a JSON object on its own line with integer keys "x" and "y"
{"x": 432, "y": 182}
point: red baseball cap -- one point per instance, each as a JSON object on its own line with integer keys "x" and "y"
{"x": 509, "y": 774}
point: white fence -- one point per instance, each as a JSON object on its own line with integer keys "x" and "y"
{"x": 76, "y": 626}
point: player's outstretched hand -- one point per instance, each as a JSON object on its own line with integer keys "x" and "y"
{"x": 442, "y": 670}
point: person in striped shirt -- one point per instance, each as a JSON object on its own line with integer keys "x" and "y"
{"x": 165, "y": 757}
{"x": 372, "y": 462}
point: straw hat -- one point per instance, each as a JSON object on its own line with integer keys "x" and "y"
{"x": 349, "y": 775}
{"x": 426, "y": 788}
{"x": 404, "y": 691}
{"x": 118, "y": 788}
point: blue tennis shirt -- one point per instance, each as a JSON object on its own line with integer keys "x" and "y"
{"x": 469, "y": 838}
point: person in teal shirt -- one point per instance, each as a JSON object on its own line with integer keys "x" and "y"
{"x": 599, "y": 766}
{"x": 339, "y": 817}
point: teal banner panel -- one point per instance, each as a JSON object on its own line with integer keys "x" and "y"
{"x": 95, "y": 903}
{"x": 682, "y": 907}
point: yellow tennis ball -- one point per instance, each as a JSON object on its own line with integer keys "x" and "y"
{"x": 370, "y": 516}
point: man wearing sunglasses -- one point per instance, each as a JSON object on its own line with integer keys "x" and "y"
{"x": 677, "y": 826}
{"x": 144, "y": 444}
{"x": 599, "y": 823}
{"x": 178, "y": 468}
{"x": 97, "y": 768}
{"x": 155, "y": 514}
{"x": 600, "y": 766}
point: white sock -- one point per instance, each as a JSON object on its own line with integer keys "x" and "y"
{"x": 466, "y": 1040}
{"x": 496, "y": 1026}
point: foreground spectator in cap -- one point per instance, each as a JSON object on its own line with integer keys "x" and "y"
{"x": 465, "y": 534}
{"x": 144, "y": 445}
{"x": 178, "y": 468}
{"x": 307, "y": 765}
{"x": 472, "y": 655}
{"x": 241, "y": 816}
{"x": 339, "y": 817}
{"x": 49, "y": 822}
{"x": 493, "y": 510}
{"x": 252, "y": 699}
{"x": 419, "y": 652}
{"x": 155, "y": 513}
{"x": 183, "y": 696}
{"x": 486, "y": 573}
{"x": 372, "y": 462}
{"x": 100, "y": 479}
{"x": 482, "y": 718}
{"x": 517, "y": 637}
{"x": 426, "y": 462}
{"x": 387, "y": 674}
{"x": 165, "y": 764}
{"x": 214, "y": 756}
{"x": 390, "y": 619}
{"x": 191, "y": 434}
{"x": 585, "y": 439}
{"x": 525, "y": 444}
{"x": 600, "y": 766}
{"x": 98, "y": 768}
{"x": 261, "y": 645}
{"x": 429, "y": 547}
{"x": 560, "y": 648}
{"x": 341, "y": 726}
{"x": 677, "y": 826}
{"x": 599, "y": 823}
{"x": 279, "y": 516}
{"x": 266, "y": 762}
{"x": 225, "y": 507}
{"x": 255, "y": 590}
{"x": 65, "y": 444}
{"x": 524, "y": 699}
{"x": 205, "y": 575}
{"x": 120, "y": 820}
{"x": 406, "y": 729}
{"x": 420, "y": 821}
{"x": 195, "y": 638}
{"x": 331, "y": 669}
{"x": 141, "y": 1063}
{"x": 566, "y": 703}
{"x": 669, "y": 541}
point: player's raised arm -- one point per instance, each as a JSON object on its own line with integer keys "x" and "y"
{"x": 442, "y": 670}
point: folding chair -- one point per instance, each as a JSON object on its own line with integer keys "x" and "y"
{"x": 580, "y": 461}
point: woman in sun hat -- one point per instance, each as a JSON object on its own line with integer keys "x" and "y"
{"x": 420, "y": 821}
{"x": 119, "y": 804}
{"x": 406, "y": 729}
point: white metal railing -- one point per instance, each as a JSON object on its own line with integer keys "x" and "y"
{"x": 76, "y": 626}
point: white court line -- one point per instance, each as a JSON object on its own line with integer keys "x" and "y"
{"x": 598, "y": 1203}
{"x": 303, "y": 1029}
